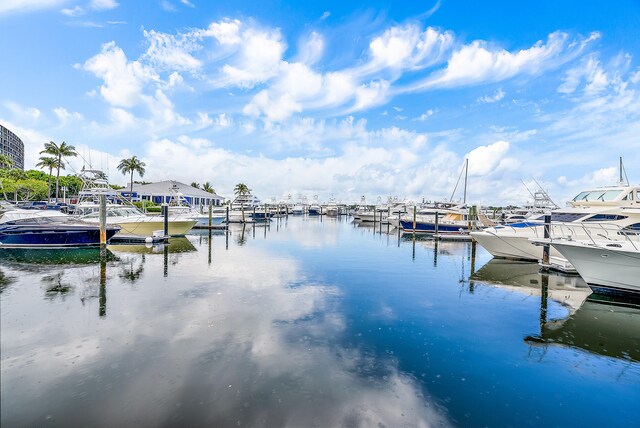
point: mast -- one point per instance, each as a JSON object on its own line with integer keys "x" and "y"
{"x": 466, "y": 171}
{"x": 621, "y": 182}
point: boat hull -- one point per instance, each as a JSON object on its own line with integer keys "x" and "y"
{"x": 605, "y": 269}
{"x": 427, "y": 227}
{"x": 41, "y": 237}
{"x": 146, "y": 228}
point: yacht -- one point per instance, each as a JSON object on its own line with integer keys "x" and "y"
{"x": 450, "y": 221}
{"x": 608, "y": 266}
{"x": 600, "y": 208}
{"x": 48, "y": 229}
{"x": 119, "y": 211}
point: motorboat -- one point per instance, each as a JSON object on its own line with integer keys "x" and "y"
{"x": 459, "y": 220}
{"x": 120, "y": 212}
{"x": 48, "y": 229}
{"x": 599, "y": 209}
{"x": 607, "y": 266}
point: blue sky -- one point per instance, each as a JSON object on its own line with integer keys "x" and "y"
{"x": 331, "y": 98}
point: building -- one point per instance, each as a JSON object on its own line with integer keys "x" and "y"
{"x": 167, "y": 191}
{"x": 12, "y": 147}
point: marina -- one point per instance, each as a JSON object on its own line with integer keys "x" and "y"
{"x": 310, "y": 320}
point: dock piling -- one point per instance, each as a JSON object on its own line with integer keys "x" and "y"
{"x": 547, "y": 233}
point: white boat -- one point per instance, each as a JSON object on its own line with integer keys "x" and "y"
{"x": 127, "y": 216}
{"x": 606, "y": 207}
{"x": 607, "y": 266}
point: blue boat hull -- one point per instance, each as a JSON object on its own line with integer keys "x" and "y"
{"x": 423, "y": 227}
{"x": 13, "y": 236}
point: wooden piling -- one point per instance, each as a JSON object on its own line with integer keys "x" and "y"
{"x": 415, "y": 211}
{"x": 103, "y": 224}
{"x": 165, "y": 214}
{"x": 210, "y": 215}
{"x": 547, "y": 234}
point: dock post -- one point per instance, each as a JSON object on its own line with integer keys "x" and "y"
{"x": 254, "y": 213}
{"x": 547, "y": 234}
{"x": 103, "y": 225}
{"x": 265, "y": 213}
{"x": 165, "y": 214}
{"x": 473, "y": 256}
{"x": 415, "y": 210}
{"x": 436, "y": 226}
{"x": 210, "y": 214}
{"x": 227, "y": 216}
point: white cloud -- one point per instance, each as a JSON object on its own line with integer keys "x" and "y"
{"x": 170, "y": 52}
{"x": 103, "y": 4}
{"x": 257, "y": 61}
{"x": 74, "y": 12}
{"x": 424, "y": 116}
{"x": 167, "y": 6}
{"x": 187, "y": 3}
{"x": 124, "y": 81}
{"x": 23, "y": 113}
{"x": 21, "y": 6}
{"x": 479, "y": 63}
{"x": 497, "y": 96}
{"x": 226, "y": 32}
{"x": 484, "y": 160}
{"x": 590, "y": 73}
{"x": 65, "y": 116}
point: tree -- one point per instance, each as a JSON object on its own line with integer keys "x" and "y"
{"x": 207, "y": 187}
{"x": 6, "y": 162}
{"x": 132, "y": 165}
{"x": 59, "y": 152}
{"x": 241, "y": 189}
{"x": 48, "y": 162}
{"x": 196, "y": 185}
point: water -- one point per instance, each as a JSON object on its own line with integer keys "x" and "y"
{"x": 308, "y": 323}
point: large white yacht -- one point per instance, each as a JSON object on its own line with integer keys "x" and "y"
{"x": 606, "y": 265}
{"x": 593, "y": 211}
{"x": 120, "y": 212}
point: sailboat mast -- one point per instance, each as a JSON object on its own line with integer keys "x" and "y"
{"x": 621, "y": 170}
{"x": 466, "y": 171}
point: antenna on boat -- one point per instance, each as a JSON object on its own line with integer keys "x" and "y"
{"x": 623, "y": 171}
{"x": 465, "y": 169}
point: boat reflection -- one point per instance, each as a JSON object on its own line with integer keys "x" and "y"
{"x": 65, "y": 256}
{"x": 526, "y": 277}
{"x": 175, "y": 245}
{"x": 609, "y": 328}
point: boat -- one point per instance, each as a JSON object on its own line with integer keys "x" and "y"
{"x": 120, "y": 212}
{"x": 607, "y": 266}
{"x": 600, "y": 208}
{"x": 48, "y": 229}
{"x": 458, "y": 220}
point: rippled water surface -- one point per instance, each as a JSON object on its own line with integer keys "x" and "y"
{"x": 308, "y": 323}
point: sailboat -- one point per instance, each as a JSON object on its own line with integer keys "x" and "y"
{"x": 456, "y": 220}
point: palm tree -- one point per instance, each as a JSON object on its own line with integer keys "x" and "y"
{"x": 196, "y": 185}
{"x": 48, "y": 162}
{"x": 241, "y": 189}
{"x": 59, "y": 152}
{"x": 6, "y": 162}
{"x": 207, "y": 187}
{"x": 132, "y": 165}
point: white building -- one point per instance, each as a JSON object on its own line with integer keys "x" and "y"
{"x": 166, "y": 191}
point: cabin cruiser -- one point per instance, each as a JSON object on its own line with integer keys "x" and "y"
{"x": 48, "y": 229}
{"x": 120, "y": 212}
{"x": 458, "y": 220}
{"x": 607, "y": 266}
{"x": 596, "y": 210}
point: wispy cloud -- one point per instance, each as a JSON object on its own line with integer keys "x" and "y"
{"x": 21, "y": 6}
{"x": 497, "y": 96}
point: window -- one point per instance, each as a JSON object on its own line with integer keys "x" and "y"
{"x": 606, "y": 217}
{"x": 597, "y": 195}
{"x": 566, "y": 217}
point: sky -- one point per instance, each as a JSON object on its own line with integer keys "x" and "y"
{"x": 335, "y": 99}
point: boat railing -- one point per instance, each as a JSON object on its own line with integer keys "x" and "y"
{"x": 600, "y": 231}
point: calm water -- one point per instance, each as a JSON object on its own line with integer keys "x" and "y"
{"x": 308, "y": 323}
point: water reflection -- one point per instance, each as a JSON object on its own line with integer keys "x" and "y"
{"x": 322, "y": 324}
{"x": 608, "y": 328}
{"x": 527, "y": 278}
{"x": 72, "y": 256}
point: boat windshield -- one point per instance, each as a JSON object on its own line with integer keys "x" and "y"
{"x": 598, "y": 195}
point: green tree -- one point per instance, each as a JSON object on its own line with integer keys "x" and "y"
{"x": 132, "y": 165}
{"x": 48, "y": 162}
{"x": 241, "y": 189}
{"x": 196, "y": 185}
{"x": 6, "y": 162}
{"x": 59, "y": 151}
{"x": 207, "y": 187}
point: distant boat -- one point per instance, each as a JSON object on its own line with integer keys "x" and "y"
{"x": 48, "y": 229}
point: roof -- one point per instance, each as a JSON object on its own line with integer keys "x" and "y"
{"x": 171, "y": 187}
